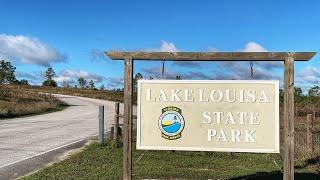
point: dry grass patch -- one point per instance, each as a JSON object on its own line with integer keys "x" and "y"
{"x": 15, "y": 102}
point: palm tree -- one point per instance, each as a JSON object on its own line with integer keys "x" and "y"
{"x": 175, "y": 120}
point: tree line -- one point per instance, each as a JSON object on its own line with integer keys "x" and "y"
{"x": 7, "y": 76}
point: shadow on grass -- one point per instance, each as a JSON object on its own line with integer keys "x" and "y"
{"x": 277, "y": 175}
{"x": 312, "y": 161}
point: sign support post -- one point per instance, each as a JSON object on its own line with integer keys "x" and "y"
{"x": 127, "y": 134}
{"x": 289, "y": 118}
{"x": 101, "y": 124}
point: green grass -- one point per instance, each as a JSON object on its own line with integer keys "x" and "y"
{"x": 105, "y": 162}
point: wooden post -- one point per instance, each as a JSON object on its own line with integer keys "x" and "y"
{"x": 310, "y": 120}
{"x": 127, "y": 164}
{"x": 116, "y": 124}
{"x": 289, "y": 118}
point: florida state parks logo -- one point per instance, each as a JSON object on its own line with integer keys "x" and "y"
{"x": 171, "y": 123}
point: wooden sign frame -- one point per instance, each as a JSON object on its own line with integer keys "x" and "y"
{"x": 287, "y": 57}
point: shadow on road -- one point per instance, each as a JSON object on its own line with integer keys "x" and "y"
{"x": 66, "y": 97}
{"x": 76, "y": 105}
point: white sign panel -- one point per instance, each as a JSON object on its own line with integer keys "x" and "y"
{"x": 215, "y": 115}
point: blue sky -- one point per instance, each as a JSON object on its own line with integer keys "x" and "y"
{"x": 70, "y": 36}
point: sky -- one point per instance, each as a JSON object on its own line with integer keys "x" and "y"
{"x": 71, "y": 37}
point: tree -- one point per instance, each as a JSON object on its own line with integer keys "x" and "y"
{"x": 102, "y": 87}
{"x": 7, "y": 73}
{"x": 49, "y": 83}
{"x": 314, "y": 91}
{"x": 49, "y": 75}
{"x": 281, "y": 92}
{"x": 64, "y": 83}
{"x": 313, "y": 100}
{"x": 298, "y": 98}
{"x": 135, "y": 81}
{"x": 297, "y": 92}
{"x": 82, "y": 82}
{"x": 91, "y": 84}
{"x": 24, "y": 82}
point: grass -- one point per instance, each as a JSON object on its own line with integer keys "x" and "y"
{"x": 105, "y": 162}
{"x": 19, "y": 103}
{"x": 109, "y": 95}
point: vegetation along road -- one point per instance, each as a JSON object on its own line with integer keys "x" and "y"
{"x": 29, "y": 143}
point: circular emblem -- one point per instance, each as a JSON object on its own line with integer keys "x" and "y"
{"x": 171, "y": 123}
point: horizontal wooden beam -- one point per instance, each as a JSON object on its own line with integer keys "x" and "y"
{"x": 211, "y": 56}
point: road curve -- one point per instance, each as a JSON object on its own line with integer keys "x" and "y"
{"x": 22, "y": 140}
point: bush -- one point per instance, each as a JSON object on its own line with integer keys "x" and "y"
{"x": 49, "y": 83}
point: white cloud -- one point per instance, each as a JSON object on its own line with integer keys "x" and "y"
{"x": 155, "y": 73}
{"x": 310, "y": 75}
{"x": 60, "y": 79}
{"x": 241, "y": 70}
{"x": 312, "y": 79}
{"x": 165, "y": 47}
{"x": 28, "y": 50}
{"x": 312, "y": 71}
{"x": 168, "y": 47}
{"x": 212, "y": 49}
{"x": 75, "y": 74}
{"x": 253, "y": 47}
{"x": 269, "y": 65}
{"x": 97, "y": 55}
{"x": 114, "y": 82}
{"x": 35, "y": 77}
{"x": 21, "y": 74}
{"x": 81, "y": 73}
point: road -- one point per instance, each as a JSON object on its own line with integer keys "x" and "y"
{"x": 29, "y": 143}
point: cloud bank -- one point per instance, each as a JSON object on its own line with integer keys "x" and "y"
{"x": 164, "y": 47}
{"x": 253, "y": 47}
{"x": 97, "y": 55}
{"x": 73, "y": 76}
{"x": 114, "y": 82}
{"x": 28, "y": 50}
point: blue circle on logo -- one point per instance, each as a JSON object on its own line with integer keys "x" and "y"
{"x": 171, "y": 123}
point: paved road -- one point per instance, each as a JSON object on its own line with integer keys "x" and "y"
{"x": 28, "y": 143}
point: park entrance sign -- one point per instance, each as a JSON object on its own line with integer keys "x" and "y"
{"x": 182, "y": 114}
{"x": 232, "y": 116}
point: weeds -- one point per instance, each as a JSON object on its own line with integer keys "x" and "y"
{"x": 15, "y": 102}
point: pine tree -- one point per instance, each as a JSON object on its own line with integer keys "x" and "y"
{"x": 7, "y": 73}
{"x": 91, "y": 84}
{"x": 82, "y": 82}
